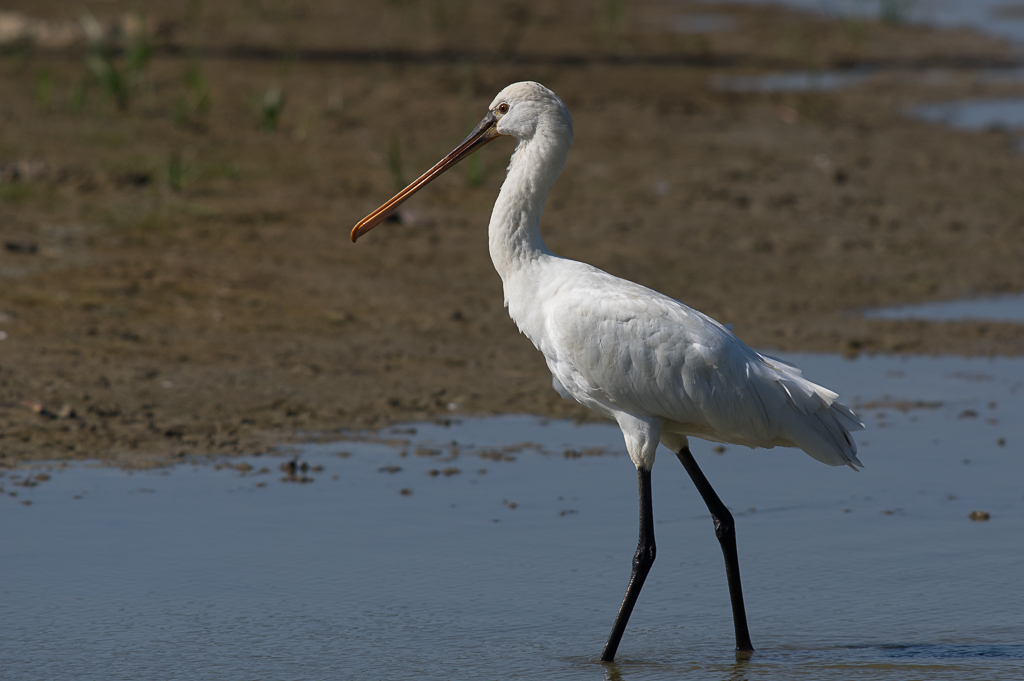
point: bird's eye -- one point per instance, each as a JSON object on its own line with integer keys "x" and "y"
{"x": 502, "y": 108}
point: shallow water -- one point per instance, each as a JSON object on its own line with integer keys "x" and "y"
{"x": 995, "y": 17}
{"x": 697, "y": 23}
{"x": 1003, "y": 113}
{"x": 1009, "y": 308}
{"x": 513, "y": 566}
{"x": 1000, "y": 18}
{"x": 790, "y": 81}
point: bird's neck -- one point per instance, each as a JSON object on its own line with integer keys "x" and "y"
{"x": 514, "y": 231}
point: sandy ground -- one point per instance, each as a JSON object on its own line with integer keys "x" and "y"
{"x": 175, "y": 280}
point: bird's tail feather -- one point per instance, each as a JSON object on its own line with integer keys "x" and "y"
{"x": 820, "y": 425}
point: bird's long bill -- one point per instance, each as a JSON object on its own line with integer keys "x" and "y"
{"x": 486, "y": 131}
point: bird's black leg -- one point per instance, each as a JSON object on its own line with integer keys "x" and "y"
{"x": 643, "y": 559}
{"x": 725, "y": 530}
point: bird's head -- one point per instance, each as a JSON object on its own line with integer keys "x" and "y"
{"x": 521, "y": 110}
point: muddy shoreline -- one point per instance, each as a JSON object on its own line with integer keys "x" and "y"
{"x": 175, "y": 280}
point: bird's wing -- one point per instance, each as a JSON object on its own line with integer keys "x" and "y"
{"x": 615, "y": 345}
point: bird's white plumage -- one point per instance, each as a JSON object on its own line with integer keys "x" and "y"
{"x": 661, "y": 370}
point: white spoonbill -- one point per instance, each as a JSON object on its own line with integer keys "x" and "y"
{"x": 662, "y": 371}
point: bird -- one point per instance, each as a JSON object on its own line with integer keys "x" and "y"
{"x": 662, "y": 371}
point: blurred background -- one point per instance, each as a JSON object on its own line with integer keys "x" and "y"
{"x": 178, "y": 180}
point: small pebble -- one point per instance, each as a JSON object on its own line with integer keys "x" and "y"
{"x": 979, "y": 515}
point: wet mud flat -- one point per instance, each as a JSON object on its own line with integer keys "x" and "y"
{"x": 499, "y": 547}
{"x": 175, "y": 274}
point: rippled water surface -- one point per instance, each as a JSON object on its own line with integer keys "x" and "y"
{"x": 499, "y": 548}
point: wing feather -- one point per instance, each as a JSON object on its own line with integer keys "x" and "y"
{"x": 616, "y": 346}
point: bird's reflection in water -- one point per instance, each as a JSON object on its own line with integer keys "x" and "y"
{"x": 735, "y": 671}
{"x": 741, "y": 667}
